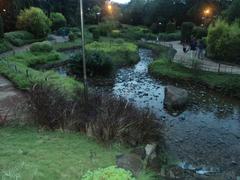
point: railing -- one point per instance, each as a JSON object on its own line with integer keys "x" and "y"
{"x": 199, "y": 64}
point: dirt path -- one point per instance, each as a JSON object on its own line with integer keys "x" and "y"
{"x": 11, "y": 101}
{"x": 206, "y": 64}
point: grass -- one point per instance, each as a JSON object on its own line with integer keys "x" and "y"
{"x": 26, "y": 153}
{"x": 20, "y": 38}
{"x": 224, "y": 83}
{"x": 18, "y": 69}
{"x": 4, "y": 46}
{"x": 121, "y": 52}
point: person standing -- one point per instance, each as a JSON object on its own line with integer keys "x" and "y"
{"x": 201, "y": 48}
{"x": 193, "y": 47}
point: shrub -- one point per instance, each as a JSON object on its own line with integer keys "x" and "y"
{"x": 223, "y": 41}
{"x": 120, "y": 53}
{"x": 115, "y": 33}
{"x": 170, "y": 27}
{"x": 104, "y": 117}
{"x": 233, "y": 13}
{"x": 58, "y": 20}
{"x": 1, "y": 28}
{"x": 96, "y": 34}
{"x": 41, "y": 47}
{"x": 72, "y": 36}
{"x": 19, "y": 38}
{"x": 170, "y": 36}
{"x": 35, "y": 21}
{"x": 4, "y": 46}
{"x": 199, "y": 32}
{"x": 106, "y": 27}
{"x": 110, "y": 173}
{"x": 155, "y": 28}
{"x": 97, "y": 64}
{"x": 186, "y": 31}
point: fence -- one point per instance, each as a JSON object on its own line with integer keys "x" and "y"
{"x": 204, "y": 65}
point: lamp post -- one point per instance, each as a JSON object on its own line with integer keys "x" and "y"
{"x": 83, "y": 52}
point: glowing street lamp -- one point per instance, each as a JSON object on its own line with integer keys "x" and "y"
{"x": 207, "y": 12}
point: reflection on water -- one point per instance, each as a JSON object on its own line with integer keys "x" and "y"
{"x": 206, "y": 133}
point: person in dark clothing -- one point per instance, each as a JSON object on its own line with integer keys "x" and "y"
{"x": 193, "y": 47}
{"x": 201, "y": 48}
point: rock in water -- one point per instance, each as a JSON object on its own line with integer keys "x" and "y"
{"x": 131, "y": 162}
{"x": 175, "y": 98}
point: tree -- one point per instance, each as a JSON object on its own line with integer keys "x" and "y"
{"x": 35, "y": 21}
{"x": 58, "y": 20}
{"x": 233, "y": 12}
{"x": 1, "y": 28}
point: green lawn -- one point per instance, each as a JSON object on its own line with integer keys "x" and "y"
{"x": 225, "y": 83}
{"x": 26, "y": 153}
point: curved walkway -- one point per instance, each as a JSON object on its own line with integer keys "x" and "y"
{"x": 12, "y": 100}
{"x": 206, "y": 64}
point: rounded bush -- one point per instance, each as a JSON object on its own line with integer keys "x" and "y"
{"x": 96, "y": 34}
{"x": 72, "y": 36}
{"x": 1, "y": 28}
{"x": 58, "y": 20}
{"x": 199, "y": 32}
{"x": 186, "y": 31}
{"x": 110, "y": 173}
{"x": 170, "y": 27}
{"x": 35, "y": 21}
{"x": 98, "y": 64}
{"x": 41, "y": 47}
{"x": 223, "y": 41}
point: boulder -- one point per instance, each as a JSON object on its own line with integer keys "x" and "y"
{"x": 140, "y": 151}
{"x": 131, "y": 162}
{"x": 175, "y": 98}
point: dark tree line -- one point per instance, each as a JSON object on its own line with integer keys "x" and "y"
{"x": 147, "y": 12}
{"x": 9, "y": 9}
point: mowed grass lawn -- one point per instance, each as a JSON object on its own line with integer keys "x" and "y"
{"x": 26, "y": 153}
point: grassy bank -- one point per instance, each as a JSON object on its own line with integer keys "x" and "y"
{"x": 224, "y": 83}
{"x": 17, "y": 68}
{"x": 122, "y": 53}
{"x": 26, "y": 153}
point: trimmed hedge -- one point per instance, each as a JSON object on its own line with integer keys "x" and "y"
{"x": 41, "y": 47}
{"x": 20, "y": 38}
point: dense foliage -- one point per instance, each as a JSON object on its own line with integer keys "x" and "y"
{"x": 20, "y": 38}
{"x": 186, "y": 31}
{"x": 98, "y": 64}
{"x": 58, "y": 20}
{"x": 223, "y": 41}
{"x": 232, "y": 13}
{"x": 35, "y": 21}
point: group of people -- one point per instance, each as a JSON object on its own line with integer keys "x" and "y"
{"x": 196, "y": 47}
